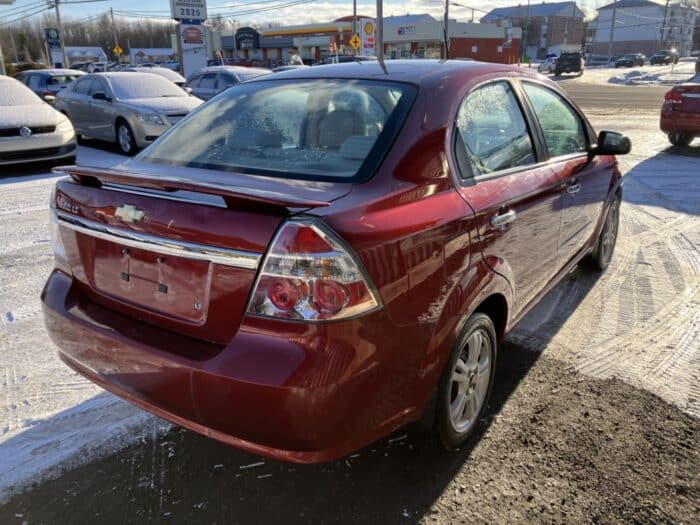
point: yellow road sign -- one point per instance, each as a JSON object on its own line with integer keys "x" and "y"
{"x": 355, "y": 42}
{"x": 117, "y": 50}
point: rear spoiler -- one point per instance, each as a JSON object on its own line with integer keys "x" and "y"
{"x": 96, "y": 177}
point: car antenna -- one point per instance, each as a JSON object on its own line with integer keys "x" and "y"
{"x": 379, "y": 31}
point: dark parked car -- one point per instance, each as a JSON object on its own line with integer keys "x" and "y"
{"x": 210, "y": 81}
{"x": 697, "y": 65}
{"x": 664, "y": 57}
{"x": 319, "y": 257}
{"x": 636, "y": 59}
{"x": 47, "y": 83}
{"x": 680, "y": 113}
{"x": 569, "y": 63}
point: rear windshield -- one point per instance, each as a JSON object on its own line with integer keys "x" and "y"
{"x": 13, "y": 93}
{"x": 146, "y": 85}
{"x": 314, "y": 129}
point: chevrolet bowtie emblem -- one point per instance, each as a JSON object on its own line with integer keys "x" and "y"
{"x": 129, "y": 213}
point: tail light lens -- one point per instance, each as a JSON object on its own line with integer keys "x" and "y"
{"x": 309, "y": 274}
{"x": 673, "y": 98}
{"x": 59, "y": 250}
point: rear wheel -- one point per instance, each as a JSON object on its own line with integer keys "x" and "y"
{"x": 466, "y": 382}
{"x": 605, "y": 247}
{"x": 680, "y": 139}
{"x": 125, "y": 138}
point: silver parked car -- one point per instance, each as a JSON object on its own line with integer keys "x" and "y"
{"x": 131, "y": 109}
{"x": 210, "y": 81}
{"x": 48, "y": 82}
{"x": 168, "y": 74}
{"x": 30, "y": 129}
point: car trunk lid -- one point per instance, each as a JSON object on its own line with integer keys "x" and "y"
{"x": 180, "y": 252}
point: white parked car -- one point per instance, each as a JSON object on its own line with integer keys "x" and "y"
{"x": 97, "y": 67}
{"x": 30, "y": 129}
{"x": 548, "y": 66}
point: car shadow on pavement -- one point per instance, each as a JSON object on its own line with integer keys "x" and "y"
{"x": 26, "y": 172}
{"x": 670, "y": 179}
{"x": 181, "y": 476}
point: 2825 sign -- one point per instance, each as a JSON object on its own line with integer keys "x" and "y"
{"x": 190, "y": 12}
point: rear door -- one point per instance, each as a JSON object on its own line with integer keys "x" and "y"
{"x": 516, "y": 199}
{"x": 100, "y": 114}
{"x": 585, "y": 179}
{"x": 77, "y": 104}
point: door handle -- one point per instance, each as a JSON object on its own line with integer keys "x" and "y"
{"x": 573, "y": 189}
{"x": 503, "y": 219}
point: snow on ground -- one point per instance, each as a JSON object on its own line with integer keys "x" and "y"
{"x": 638, "y": 76}
{"x": 48, "y": 414}
{"x": 639, "y": 321}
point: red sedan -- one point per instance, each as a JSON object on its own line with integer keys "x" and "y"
{"x": 680, "y": 113}
{"x": 317, "y": 258}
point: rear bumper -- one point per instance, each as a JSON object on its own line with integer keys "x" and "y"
{"x": 300, "y": 397}
{"x": 680, "y": 121}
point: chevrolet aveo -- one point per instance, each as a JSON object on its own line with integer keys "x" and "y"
{"x": 316, "y": 258}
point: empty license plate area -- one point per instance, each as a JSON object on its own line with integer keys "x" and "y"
{"x": 176, "y": 287}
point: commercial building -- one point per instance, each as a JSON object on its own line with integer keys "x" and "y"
{"x": 643, "y": 26}
{"x": 85, "y": 54}
{"x": 547, "y": 28}
{"x": 140, "y": 55}
{"x": 410, "y": 36}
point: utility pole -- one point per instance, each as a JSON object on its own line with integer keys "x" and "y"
{"x": 447, "y": 29}
{"x": 114, "y": 34}
{"x": 354, "y": 22}
{"x": 527, "y": 31}
{"x": 379, "y": 30}
{"x": 14, "y": 47}
{"x": 612, "y": 32}
{"x": 663, "y": 26}
{"x": 60, "y": 31}
{"x": 528, "y": 3}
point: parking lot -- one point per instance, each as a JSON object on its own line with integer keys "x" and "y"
{"x": 594, "y": 414}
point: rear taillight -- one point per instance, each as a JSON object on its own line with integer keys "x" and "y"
{"x": 59, "y": 250}
{"x": 673, "y": 98}
{"x": 309, "y": 274}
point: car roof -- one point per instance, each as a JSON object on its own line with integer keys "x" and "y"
{"x": 54, "y": 72}
{"x": 413, "y": 71}
{"x": 231, "y": 69}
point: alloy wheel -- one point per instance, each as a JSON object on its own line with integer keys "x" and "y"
{"x": 125, "y": 139}
{"x": 471, "y": 376}
{"x": 609, "y": 235}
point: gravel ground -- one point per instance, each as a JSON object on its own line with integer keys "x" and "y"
{"x": 557, "y": 447}
{"x": 594, "y": 417}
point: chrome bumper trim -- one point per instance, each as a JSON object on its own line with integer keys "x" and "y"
{"x": 141, "y": 241}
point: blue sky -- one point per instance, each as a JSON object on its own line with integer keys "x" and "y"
{"x": 249, "y": 11}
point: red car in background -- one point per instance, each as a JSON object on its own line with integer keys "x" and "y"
{"x": 680, "y": 113}
{"x": 319, "y": 257}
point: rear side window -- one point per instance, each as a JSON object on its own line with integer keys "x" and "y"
{"x": 83, "y": 86}
{"x": 208, "y": 81}
{"x": 562, "y": 126}
{"x": 309, "y": 129}
{"x": 34, "y": 82}
{"x": 492, "y": 133}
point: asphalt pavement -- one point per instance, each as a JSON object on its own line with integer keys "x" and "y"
{"x": 593, "y": 97}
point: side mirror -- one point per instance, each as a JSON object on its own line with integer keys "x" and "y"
{"x": 51, "y": 99}
{"x": 100, "y": 95}
{"x": 611, "y": 143}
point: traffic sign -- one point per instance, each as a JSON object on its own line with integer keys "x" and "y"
{"x": 355, "y": 42}
{"x": 117, "y": 50}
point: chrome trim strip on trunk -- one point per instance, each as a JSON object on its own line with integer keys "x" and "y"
{"x": 141, "y": 241}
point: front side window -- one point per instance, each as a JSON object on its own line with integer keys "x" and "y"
{"x": 208, "y": 81}
{"x": 83, "y": 86}
{"x": 562, "y": 126}
{"x": 320, "y": 129}
{"x": 492, "y": 133}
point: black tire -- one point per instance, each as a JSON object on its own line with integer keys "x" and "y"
{"x": 127, "y": 141}
{"x": 605, "y": 245}
{"x": 478, "y": 327}
{"x": 681, "y": 140}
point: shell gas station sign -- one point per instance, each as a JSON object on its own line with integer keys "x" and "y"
{"x": 367, "y": 37}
